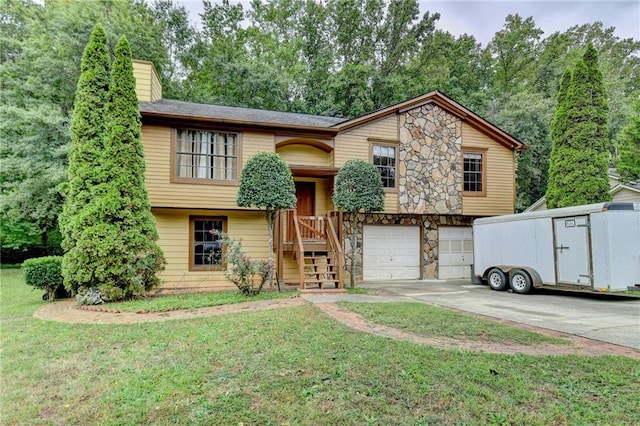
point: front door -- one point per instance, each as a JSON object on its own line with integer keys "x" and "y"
{"x": 305, "y": 204}
{"x": 305, "y": 195}
{"x": 573, "y": 260}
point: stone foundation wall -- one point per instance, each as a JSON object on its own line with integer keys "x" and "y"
{"x": 430, "y": 167}
{"x": 429, "y": 223}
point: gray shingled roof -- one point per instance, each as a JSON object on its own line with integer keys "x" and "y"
{"x": 221, "y": 112}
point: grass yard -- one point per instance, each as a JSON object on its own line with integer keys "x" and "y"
{"x": 420, "y": 318}
{"x": 194, "y": 300}
{"x": 292, "y": 366}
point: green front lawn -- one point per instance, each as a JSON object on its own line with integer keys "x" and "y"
{"x": 291, "y": 366}
{"x": 420, "y": 318}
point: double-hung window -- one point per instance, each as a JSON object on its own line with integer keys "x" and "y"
{"x": 206, "y": 155}
{"x": 384, "y": 158}
{"x": 206, "y": 249}
{"x": 474, "y": 175}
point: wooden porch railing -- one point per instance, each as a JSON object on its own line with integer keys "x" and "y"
{"x": 298, "y": 247}
{"x": 334, "y": 247}
{"x": 318, "y": 233}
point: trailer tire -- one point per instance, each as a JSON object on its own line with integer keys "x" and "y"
{"x": 520, "y": 281}
{"x": 497, "y": 279}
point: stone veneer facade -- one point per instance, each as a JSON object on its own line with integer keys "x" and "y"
{"x": 430, "y": 224}
{"x": 430, "y": 166}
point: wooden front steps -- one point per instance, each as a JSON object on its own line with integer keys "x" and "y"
{"x": 319, "y": 269}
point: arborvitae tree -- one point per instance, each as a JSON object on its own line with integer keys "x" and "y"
{"x": 580, "y": 156}
{"x": 558, "y": 137}
{"x": 358, "y": 189}
{"x": 120, "y": 242}
{"x": 87, "y": 132}
{"x": 266, "y": 183}
{"x": 629, "y": 148}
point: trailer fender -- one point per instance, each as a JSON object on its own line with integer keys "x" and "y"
{"x": 535, "y": 277}
{"x": 536, "y": 280}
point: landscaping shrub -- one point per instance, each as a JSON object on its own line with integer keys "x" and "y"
{"x": 45, "y": 273}
{"x": 247, "y": 274}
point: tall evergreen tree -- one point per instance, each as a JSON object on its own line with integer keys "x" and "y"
{"x": 580, "y": 155}
{"x": 87, "y": 133}
{"x": 120, "y": 243}
{"x": 629, "y": 148}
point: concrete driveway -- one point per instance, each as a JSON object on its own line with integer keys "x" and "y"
{"x": 609, "y": 319}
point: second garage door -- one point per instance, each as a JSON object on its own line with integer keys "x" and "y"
{"x": 391, "y": 252}
{"x": 455, "y": 251}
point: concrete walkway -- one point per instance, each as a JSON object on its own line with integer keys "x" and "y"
{"x": 67, "y": 311}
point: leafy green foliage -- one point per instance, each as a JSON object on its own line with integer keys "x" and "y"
{"x": 628, "y": 164}
{"x": 44, "y": 272}
{"x": 110, "y": 232}
{"x": 358, "y": 188}
{"x": 87, "y": 133}
{"x": 249, "y": 275}
{"x": 580, "y": 155}
{"x": 266, "y": 183}
{"x": 39, "y": 72}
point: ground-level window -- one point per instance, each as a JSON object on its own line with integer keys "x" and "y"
{"x": 384, "y": 158}
{"x": 206, "y": 155}
{"x": 206, "y": 250}
{"x": 473, "y": 179}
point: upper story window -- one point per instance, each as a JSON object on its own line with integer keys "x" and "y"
{"x": 205, "y": 155}
{"x": 384, "y": 158}
{"x": 474, "y": 174}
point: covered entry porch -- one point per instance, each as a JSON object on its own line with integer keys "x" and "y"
{"x": 307, "y": 239}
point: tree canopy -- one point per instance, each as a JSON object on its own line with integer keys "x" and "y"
{"x": 578, "y": 168}
{"x": 337, "y": 58}
{"x": 266, "y": 183}
{"x": 358, "y": 188}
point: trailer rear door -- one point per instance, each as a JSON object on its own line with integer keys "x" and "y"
{"x": 572, "y": 250}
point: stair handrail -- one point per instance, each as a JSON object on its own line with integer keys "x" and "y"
{"x": 298, "y": 248}
{"x": 334, "y": 246}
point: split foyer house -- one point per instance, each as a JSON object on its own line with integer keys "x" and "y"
{"x": 441, "y": 165}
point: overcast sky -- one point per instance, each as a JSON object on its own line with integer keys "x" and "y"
{"x": 483, "y": 18}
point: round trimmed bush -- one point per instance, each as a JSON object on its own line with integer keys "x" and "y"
{"x": 45, "y": 273}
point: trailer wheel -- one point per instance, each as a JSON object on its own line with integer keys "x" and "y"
{"x": 520, "y": 282}
{"x": 497, "y": 279}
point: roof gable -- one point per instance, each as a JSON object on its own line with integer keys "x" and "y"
{"x": 446, "y": 103}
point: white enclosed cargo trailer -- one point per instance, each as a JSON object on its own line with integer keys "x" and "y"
{"x": 591, "y": 248}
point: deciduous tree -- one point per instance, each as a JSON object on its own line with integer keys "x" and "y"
{"x": 358, "y": 190}
{"x": 266, "y": 183}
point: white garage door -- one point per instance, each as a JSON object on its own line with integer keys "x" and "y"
{"x": 391, "y": 252}
{"x": 455, "y": 252}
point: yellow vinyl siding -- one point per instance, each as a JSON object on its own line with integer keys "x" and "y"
{"x": 390, "y": 202}
{"x": 173, "y": 228}
{"x": 355, "y": 143}
{"x": 500, "y": 182}
{"x": 304, "y": 155}
{"x": 164, "y": 193}
{"x": 148, "y": 87}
